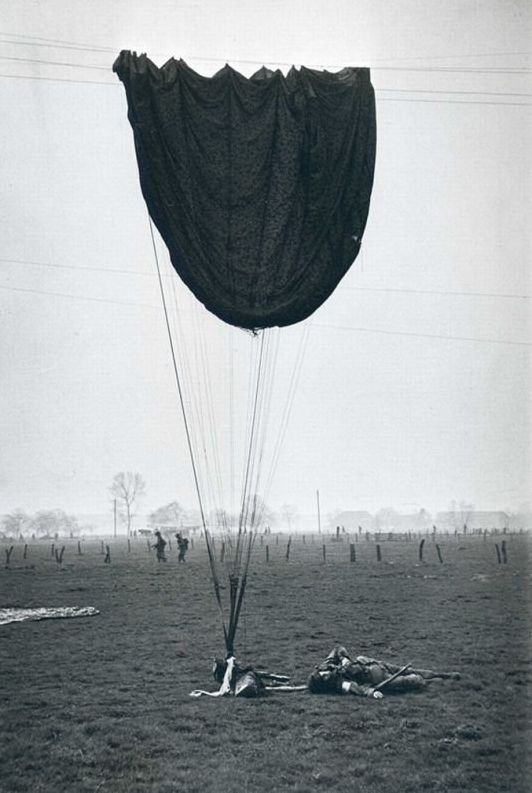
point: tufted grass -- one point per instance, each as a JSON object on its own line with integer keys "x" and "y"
{"x": 101, "y": 704}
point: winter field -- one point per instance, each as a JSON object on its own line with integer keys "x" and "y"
{"x": 102, "y": 703}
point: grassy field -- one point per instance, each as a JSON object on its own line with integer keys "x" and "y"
{"x": 101, "y": 703}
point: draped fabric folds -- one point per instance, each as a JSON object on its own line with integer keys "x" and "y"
{"x": 260, "y": 186}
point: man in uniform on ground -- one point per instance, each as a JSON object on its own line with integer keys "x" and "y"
{"x": 366, "y": 677}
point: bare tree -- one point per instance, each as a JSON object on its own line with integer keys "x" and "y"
{"x": 169, "y": 515}
{"x": 127, "y": 488}
{"x": 15, "y": 523}
{"x": 288, "y": 513}
{"x": 49, "y": 522}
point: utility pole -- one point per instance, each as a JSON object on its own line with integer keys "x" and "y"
{"x": 114, "y": 518}
{"x": 319, "y": 516}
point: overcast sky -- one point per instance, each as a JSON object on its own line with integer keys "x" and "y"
{"x": 414, "y": 387}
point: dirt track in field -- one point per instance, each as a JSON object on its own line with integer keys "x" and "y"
{"x": 101, "y": 703}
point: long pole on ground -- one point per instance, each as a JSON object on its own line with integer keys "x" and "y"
{"x": 319, "y": 516}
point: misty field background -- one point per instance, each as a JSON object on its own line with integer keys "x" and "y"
{"x": 102, "y": 703}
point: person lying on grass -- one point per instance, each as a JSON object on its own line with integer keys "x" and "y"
{"x": 244, "y": 681}
{"x": 366, "y": 677}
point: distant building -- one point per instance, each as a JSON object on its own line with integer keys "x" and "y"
{"x": 351, "y": 520}
{"x": 476, "y": 519}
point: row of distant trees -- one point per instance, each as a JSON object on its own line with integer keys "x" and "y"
{"x": 174, "y": 514}
{"x": 127, "y": 490}
{"x": 45, "y": 523}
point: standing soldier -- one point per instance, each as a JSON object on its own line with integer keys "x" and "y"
{"x": 159, "y": 546}
{"x": 182, "y": 544}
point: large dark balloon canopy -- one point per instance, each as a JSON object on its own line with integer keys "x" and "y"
{"x": 259, "y": 186}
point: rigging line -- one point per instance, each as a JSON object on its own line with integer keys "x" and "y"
{"x": 270, "y": 379}
{"x": 253, "y": 435}
{"x": 252, "y": 368}
{"x": 252, "y": 490}
{"x": 283, "y": 426}
{"x": 188, "y": 390}
{"x": 58, "y": 79}
{"x": 454, "y": 101}
{"x": 82, "y": 268}
{"x": 439, "y": 91}
{"x": 212, "y": 424}
{"x": 178, "y": 381}
{"x": 378, "y": 89}
{"x": 203, "y": 407}
{"x": 231, "y": 422}
{"x": 172, "y": 275}
{"x": 361, "y": 330}
{"x": 424, "y": 335}
{"x": 435, "y": 292}
{"x": 55, "y": 63}
{"x": 61, "y": 42}
{"x": 101, "y": 48}
{"x": 252, "y": 428}
{"x": 381, "y": 99}
{"x": 76, "y": 297}
{"x": 264, "y": 415}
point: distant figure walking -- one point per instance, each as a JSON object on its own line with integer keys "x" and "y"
{"x": 159, "y": 546}
{"x": 182, "y": 545}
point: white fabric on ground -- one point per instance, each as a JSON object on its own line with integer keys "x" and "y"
{"x": 21, "y": 615}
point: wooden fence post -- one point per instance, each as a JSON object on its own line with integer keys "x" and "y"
{"x": 352, "y": 552}
{"x": 52, "y": 550}
{"x": 9, "y": 551}
{"x": 498, "y": 553}
{"x": 378, "y": 549}
{"x": 59, "y": 555}
{"x": 107, "y": 559}
{"x": 79, "y": 548}
{"x": 267, "y": 553}
{"x": 24, "y": 555}
{"x": 288, "y": 548}
{"x": 503, "y": 552}
{"x": 421, "y": 544}
{"x": 324, "y": 553}
{"x": 439, "y": 553}
{"x": 128, "y": 545}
